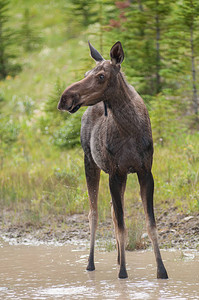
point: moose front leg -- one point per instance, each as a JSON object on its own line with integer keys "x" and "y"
{"x": 116, "y": 233}
{"x": 117, "y": 185}
{"x": 92, "y": 179}
{"x": 147, "y": 189}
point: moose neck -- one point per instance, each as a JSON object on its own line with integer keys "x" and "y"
{"x": 124, "y": 106}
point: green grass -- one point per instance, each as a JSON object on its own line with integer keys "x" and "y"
{"x": 36, "y": 177}
{"x": 176, "y": 170}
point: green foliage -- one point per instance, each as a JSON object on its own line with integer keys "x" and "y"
{"x": 83, "y": 10}
{"x": 7, "y": 40}
{"x": 163, "y": 111}
{"x": 176, "y": 172}
{"x": 68, "y": 135}
{"x": 188, "y": 12}
{"x": 183, "y": 51}
{"x": 63, "y": 129}
{"x": 144, "y": 36}
{"x": 42, "y": 181}
{"x": 78, "y": 14}
{"x": 135, "y": 229}
{"x": 9, "y": 131}
{"x": 2, "y": 100}
{"x": 51, "y": 103}
{"x": 29, "y": 36}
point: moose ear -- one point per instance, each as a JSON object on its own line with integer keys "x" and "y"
{"x": 94, "y": 53}
{"x": 117, "y": 53}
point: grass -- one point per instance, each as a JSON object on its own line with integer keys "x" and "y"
{"x": 43, "y": 181}
{"x": 176, "y": 173}
{"x": 38, "y": 179}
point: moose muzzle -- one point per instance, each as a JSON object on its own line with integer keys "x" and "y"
{"x": 69, "y": 102}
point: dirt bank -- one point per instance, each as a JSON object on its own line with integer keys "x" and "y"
{"x": 176, "y": 229}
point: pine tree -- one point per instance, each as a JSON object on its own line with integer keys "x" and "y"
{"x": 184, "y": 50}
{"x": 30, "y": 37}
{"x": 80, "y": 11}
{"x": 139, "y": 49}
{"x": 157, "y": 12}
{"x": 189, "y": 19}
{"x": 6, "y": 42}
{"x": 145, "y": 27}
{"x": 107, "y": 18}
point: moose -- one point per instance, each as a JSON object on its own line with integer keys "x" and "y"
{"x": 116, "y": 137}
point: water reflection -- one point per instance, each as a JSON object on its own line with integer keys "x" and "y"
{"x": 58, "y": 272}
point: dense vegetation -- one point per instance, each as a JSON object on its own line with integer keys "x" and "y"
{"x": 43, "y": 48}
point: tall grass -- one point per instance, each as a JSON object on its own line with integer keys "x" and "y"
{"x": 42, "y": 176}
{"x": 35, "y": 176}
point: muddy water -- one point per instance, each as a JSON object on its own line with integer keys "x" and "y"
{"x": 58, "y": 272}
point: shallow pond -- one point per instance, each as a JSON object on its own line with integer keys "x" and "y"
{"x": 58, "y": 272}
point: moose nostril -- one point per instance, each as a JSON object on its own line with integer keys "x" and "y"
{"x": 59, "y": 106}
{"x": 61, "y": 103}
{"x": 68, "y": 100}
{"x": 63, "y": 99}
{"x": 69, "y": 107}
{"x": 65, "y": 103}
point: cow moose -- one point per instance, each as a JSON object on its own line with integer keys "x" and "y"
{"x": 116, "y": 137}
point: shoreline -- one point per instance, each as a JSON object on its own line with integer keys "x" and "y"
{"x": 175, "y": 230}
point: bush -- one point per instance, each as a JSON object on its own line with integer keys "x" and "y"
{"x": 9, "y": 131}
{"x": 68, "y": 136}
{"x": 7, "y": 42}
{"x": 164, "y": 118}
{"x": 63, "y": 128}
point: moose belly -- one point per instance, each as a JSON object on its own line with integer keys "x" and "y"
{"x": 124, "y": 156}
{"x": 100, "y": 157}
{"x": 109, "y": 158}
{"x": 103, "y": 158}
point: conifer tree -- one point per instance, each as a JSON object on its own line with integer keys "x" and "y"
{"x": 6, "y": 43}
{"x": 145, "y": 27}
{"x": 184, "y": 49}
{"x": 157, "y": 12}
{"x": 81, "y": 10}
{"x": 189, "y": 19}
{"x": 30, "y": 38}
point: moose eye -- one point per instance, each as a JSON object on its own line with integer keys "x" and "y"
{"x": 101, "y": 76}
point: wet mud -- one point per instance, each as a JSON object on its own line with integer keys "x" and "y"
{"x": 175, "y": 229}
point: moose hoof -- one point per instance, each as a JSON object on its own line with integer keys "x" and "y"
{"x": 90, "y": 267}
{"x": 162, "y": 274}
{"x": 123, "y": 274}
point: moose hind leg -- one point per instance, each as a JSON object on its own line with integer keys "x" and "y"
{"x": 117, "y": 185}
{"x": 92, "y": 178}
{"x": 147, "y": 189}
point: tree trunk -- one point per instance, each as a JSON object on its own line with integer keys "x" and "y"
{"x": 3, "y": 72}
{"x": 101, "y": 26}
{"x": 140, "y": 5}
{"x": 158, "y": 78}
{"x": 193, "y": 69}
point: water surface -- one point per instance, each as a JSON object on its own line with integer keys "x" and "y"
{"x": 58, "y": 272}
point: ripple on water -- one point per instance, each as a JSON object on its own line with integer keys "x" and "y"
{"x": 66, "y": 291}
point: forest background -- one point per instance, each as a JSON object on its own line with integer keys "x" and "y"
{"x": 43, "y": 49}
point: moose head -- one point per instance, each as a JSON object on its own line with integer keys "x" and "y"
{"x": 98, "y": 83}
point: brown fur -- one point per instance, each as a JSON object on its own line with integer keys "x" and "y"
{"x": 119, "y": 143}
